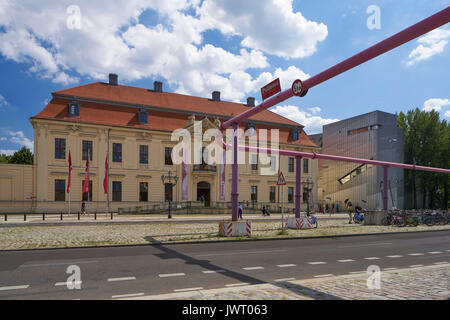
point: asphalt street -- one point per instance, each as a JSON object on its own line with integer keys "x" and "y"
{"x": 116, "y": 272}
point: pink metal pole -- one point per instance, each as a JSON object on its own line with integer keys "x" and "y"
{"x": 385, "y": 187}
{"x": 298, "y": 176}
{"x": 234, "y": 175}
{"x": 435, "y": 21}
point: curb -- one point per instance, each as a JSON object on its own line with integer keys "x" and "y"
{"x": 221, "y": 241}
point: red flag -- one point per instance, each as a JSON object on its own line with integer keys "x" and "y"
{"x": 70, "y": 172}
{"x": 105, "y": 181}
{"x": 86, "y": 178}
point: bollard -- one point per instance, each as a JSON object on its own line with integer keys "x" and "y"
{"x": 24, "y": 216}
{"x": 6, "y": 216}
{"x": 111, "y": 215}
{"x": 43, "y": 216}
{"x": 95, "y": 215}
{"x": 78, "y": 215}
{"x": 60, "y": 216}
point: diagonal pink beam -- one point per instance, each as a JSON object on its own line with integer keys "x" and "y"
{"x": 435, "y": 21}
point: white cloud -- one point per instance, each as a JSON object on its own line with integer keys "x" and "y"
{"x": 3, "y": 101}
{"x": 7, "y": 152}
{"x": 313, "y": 123}
{"x": 268, "y": 25}
{"x": 447, "y": 114}
{"x": 435, "y": 104}
{"x": 3, "y": 139}
{"x": 315, "y": 110}
{"x": 431, "y": 44}
{"x": 19, "y": 137}
{"x": 112, "y": 40}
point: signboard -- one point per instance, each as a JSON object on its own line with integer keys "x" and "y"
{"x": 271, "y": 89}
{"x": 297, "y": 87}
{"x": 281, "y": 181}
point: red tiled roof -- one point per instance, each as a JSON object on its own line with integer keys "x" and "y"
{"x": 102, "y": 109}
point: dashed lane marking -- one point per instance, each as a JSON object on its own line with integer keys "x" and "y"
{"x": 14, "y": 287}
{"x": 395, "y": 256}
{"x": 346, "y": 260}
{"x": 171, "y": 275}
{"x": 286, "y": 265}
{"x": 285, "y": 279}
{"x": 67, "y": 283}
{"x": 253, "y": 268}
{"x": 188, "y": 289}
{"x": 372, "y": 258}
{"x": 213, "y": 271}
{"x": 415, "y": 254}
{"x": 317, "y": 262}
{"x": 435, "y": 252}
{"x": 121, "y": 279}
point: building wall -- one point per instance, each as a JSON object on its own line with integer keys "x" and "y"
{"x": 370, "y": 136}
{"x": 47, "y": 169}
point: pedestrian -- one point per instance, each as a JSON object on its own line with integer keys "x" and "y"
{"x": 349, "y": 211}
{"x": 337, "y": 207}
{"x": 240, "y": 211}
{"x": 332, "y": 208}
{"x": 265, "y": 212}
{"x": 83, "y": 208}
{"x": 327, "y": 208}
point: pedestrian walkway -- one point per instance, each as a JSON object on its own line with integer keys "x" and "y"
{"x": 417, "y": 283}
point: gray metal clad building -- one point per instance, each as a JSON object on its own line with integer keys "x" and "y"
{"x": 374, "y": 135}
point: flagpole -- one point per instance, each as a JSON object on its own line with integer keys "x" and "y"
{"x": 107, "y": 186}
{"x": 70, "y": 180}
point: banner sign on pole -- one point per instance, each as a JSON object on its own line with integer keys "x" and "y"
{"x": 271, "y": 89}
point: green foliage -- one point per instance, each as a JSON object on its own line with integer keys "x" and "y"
{"x": 23, "y": 156}
{"x": 427, "y": 143}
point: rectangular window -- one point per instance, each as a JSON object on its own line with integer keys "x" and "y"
{"x": 272, "y": 194}
{"x": 87, "y": 149}
{"x": 168, "y": 156}
{"x": 273, "y": 163}
{"x": 143, "y": 154}
{"x": 290, "y": 194}
{"x": 142, "y": 117}
{"x": 117, "y": 152}
{"x": 254, "y": 161}
{"x": 291, "y": 165}
{"x": 85, "y": 195}
{"x": 254, "y": 194}
{"x": 168, "y": 192}
{"x": 60, "y": 148}
{"x": 305, "y": 165}
{"x": 60, "y": 190}
{"x": 117, "y": 191}
{"x": 143, "y": 191}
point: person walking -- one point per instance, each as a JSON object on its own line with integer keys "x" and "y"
{"x": 349, "y": 211}
{"x": 240, "y": 211}
{"x": 265, "y": 212}
{"x": 83, "y": 208}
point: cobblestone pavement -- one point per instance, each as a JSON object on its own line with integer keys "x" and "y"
{"x": 29, "y": 237}
{"x": 420, "y": 283}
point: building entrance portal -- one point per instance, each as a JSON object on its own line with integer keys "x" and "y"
{"x": 204, "y": 193}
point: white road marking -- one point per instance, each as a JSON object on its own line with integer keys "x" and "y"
{"x": 366, "y": 245}
{"x": 387, "y": 269}
{"x": 188, "y": 289}
{"x": 443, "y": 262}
{"x": 253, "y": 268}
{"x": 317, "y": 262}
{"x": 416, "y": 265}
{"x": 14, "y": 287}
{"x": 128, "y": 295}
{"x": 356, "y": 272}
{"x": 447, "y": 250}
{"x": 171, "y": 275}
{"x": 323, "y": 275}
{"x": 237, "y": 284}
{"x": 237, "y": 252}
{"x": 56, "y": 264}
{"x": 67, "y": 283}
{"x": 282, "y": 280}
{"x": 395, "y": 256}
{"x": 346, "y": 260}
{"x": 372, "y": 258}
{"x": 415, "y": 254}
{"x": 435, "y": 252}
{"x": 121, "y": 279}
{"x": 213, "y": 271}
{"x": 286, "y": 265}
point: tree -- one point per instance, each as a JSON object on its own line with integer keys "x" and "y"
{"x": 4, "y": 158}
{"x": 23, "y": 156}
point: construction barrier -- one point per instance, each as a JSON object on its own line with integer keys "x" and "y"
{"x": 299, "y": 223}
{"x": 235, "y": 228}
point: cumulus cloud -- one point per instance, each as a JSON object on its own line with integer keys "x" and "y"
{"x": 435, "y": 104}
{"x": 3, "y": 101}
{"x": 19, "y": 138}
{"x": 112, "y": 40}
{"x": 7, "y": 152}
{"x": 447, "y": 114}
{"x": 313, "y": 123}
{"x": 431, "y": 44}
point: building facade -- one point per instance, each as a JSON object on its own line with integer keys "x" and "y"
{"x": 374, "y": 135}
{"x": 134, "y": 127}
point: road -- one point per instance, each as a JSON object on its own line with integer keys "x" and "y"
{"x": 116, "y": 272}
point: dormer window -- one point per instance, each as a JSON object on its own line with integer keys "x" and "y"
{"x": 294, "y": 134}
{"x": 74, "y": 109}
{"x": 143, "y": 116}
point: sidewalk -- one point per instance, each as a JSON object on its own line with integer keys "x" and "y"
{"x": 420, "y": 283}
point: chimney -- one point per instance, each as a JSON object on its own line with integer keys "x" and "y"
{"x": 113, "y": 79}
{"x": 216, "y": 96}
{"x": 250, "y": 101}
{"x": 157, "y": 86}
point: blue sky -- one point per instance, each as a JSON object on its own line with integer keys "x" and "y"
{"x": 196, "y": 47}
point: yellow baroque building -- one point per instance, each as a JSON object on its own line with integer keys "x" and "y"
{"x": 134, "y": 126}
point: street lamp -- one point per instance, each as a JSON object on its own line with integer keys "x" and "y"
{"x": 307, "y": 186}
{"x": 169, "y": 181}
